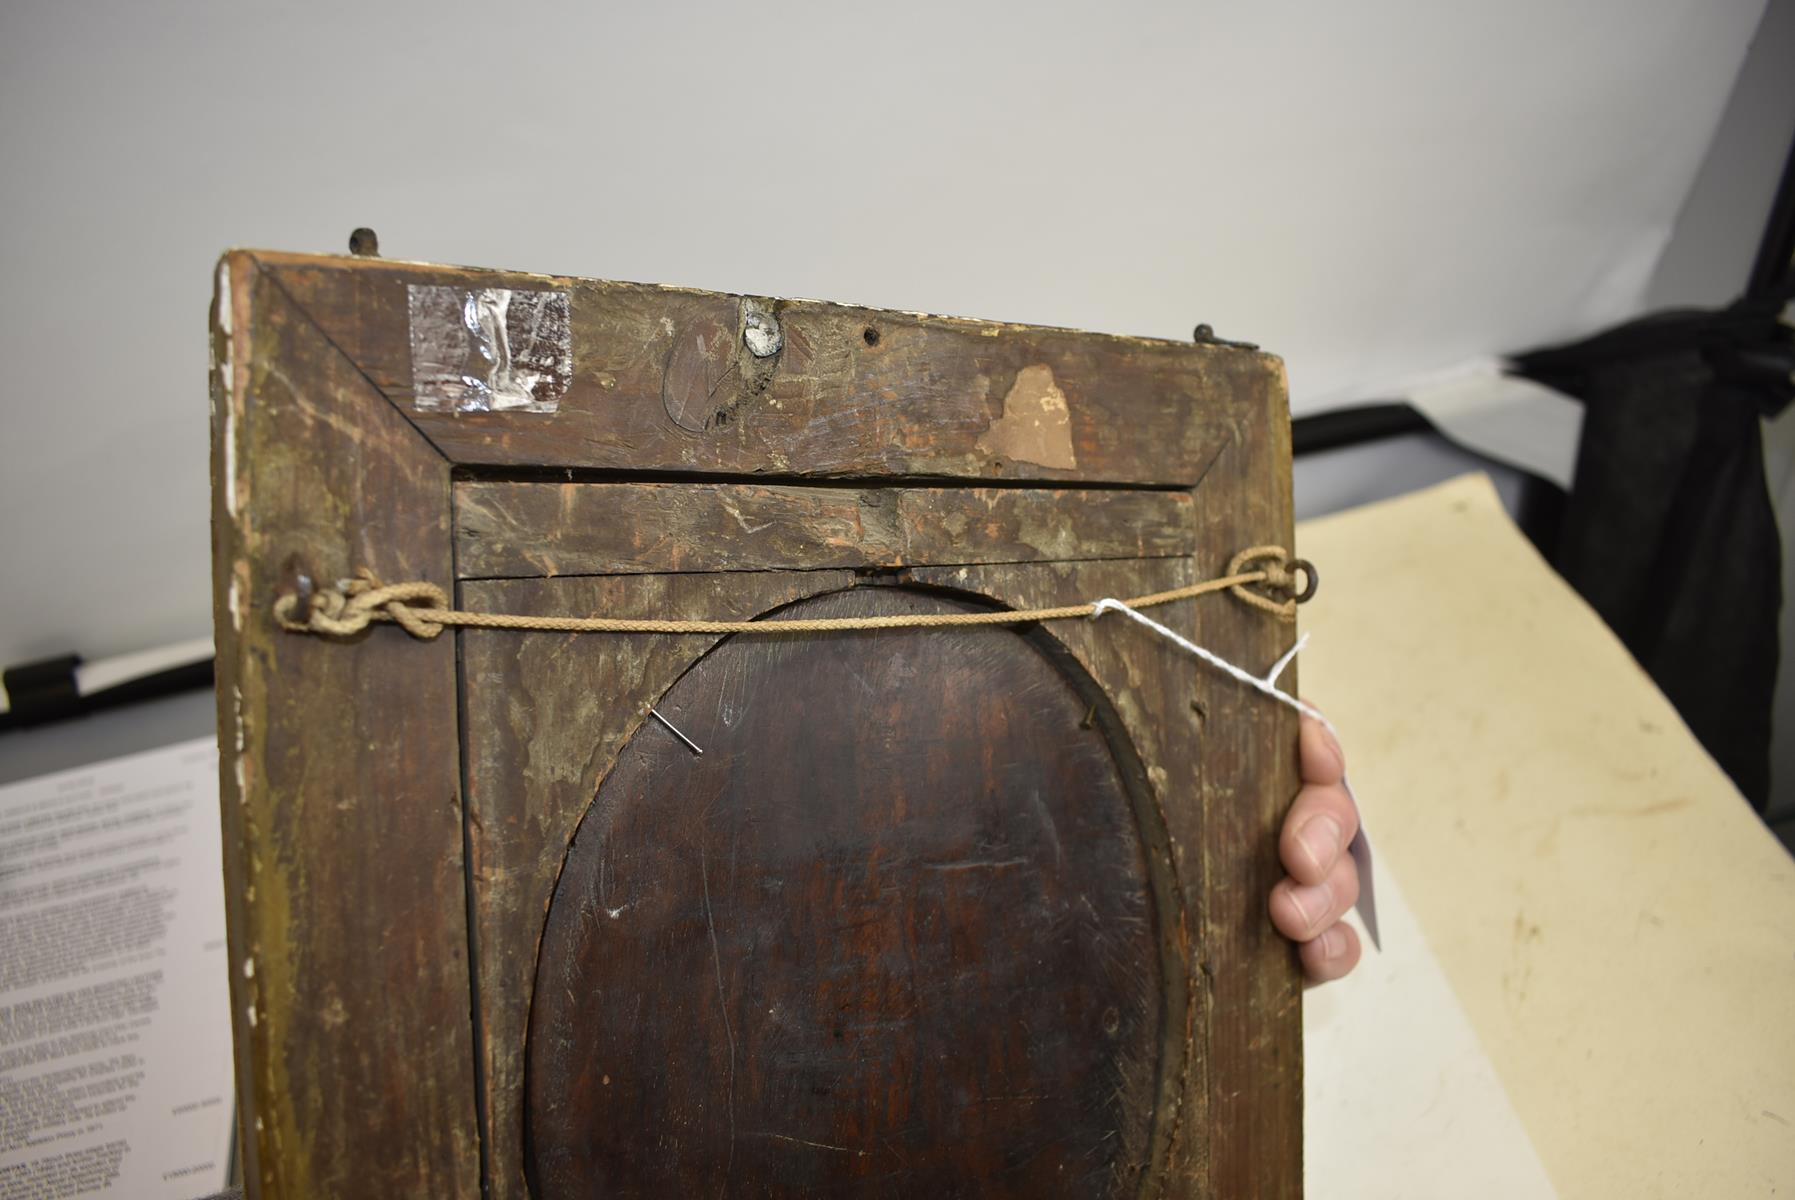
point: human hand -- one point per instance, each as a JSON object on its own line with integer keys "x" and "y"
{"x": 1323, "y": 881}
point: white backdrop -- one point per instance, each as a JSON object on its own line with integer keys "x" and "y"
{"x": 1375, "y": 190}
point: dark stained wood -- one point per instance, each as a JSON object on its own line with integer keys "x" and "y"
{"x": 508, "y": 530}
{"x": 343, "y": 763}
{"x": 339, "y": 774}
{"x": 1248, "y": 990}
{"x": 1250, "y": 776}
{"x": 547, "y": 715}
{"x": 1152, "y": 687}
{"x": 891, "y": 933}
{"x": 931, "y": 396}
{"x": 1247, "y": 987}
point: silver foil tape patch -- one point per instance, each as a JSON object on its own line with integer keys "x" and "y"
{"x": 488, "y": 349}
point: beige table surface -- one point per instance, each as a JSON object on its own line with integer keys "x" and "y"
{"x": 1588, "y": 980}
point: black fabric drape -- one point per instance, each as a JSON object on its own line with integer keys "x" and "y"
{"x": 1668, "y": 531}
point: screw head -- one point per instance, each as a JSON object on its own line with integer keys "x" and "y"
{"x": 761, "y": 334}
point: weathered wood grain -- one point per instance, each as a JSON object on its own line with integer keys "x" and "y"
{"x": 339, "y": 778}
{"x": 547, "y": 715}
{"x": 662, "y": 381}
{"x": 510, "y": 530}
{"x": 891, "y": 933}
{"x": 1256, "y": 1038}
{"x": 1242, "y": 1129}
{"x": 537, "y": 755}
{"x": 1247, "y": 1137}
{"x": 1150, "y": 693}
{"x": 1251, "y": 775}
{"x": 339, "y": 903}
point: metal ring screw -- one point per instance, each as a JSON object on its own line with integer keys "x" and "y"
{"x": 1311, "y": 579}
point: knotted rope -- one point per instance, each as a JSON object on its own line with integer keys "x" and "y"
{"x": 422, "y": 609}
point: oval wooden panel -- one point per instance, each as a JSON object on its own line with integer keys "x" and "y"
{"x": 892, "y": 933}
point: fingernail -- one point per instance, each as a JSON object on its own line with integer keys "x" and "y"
{"x": 1320, "y": 838}
{"x": 1312, "y": 903}
{"x": 1333, "y": 943}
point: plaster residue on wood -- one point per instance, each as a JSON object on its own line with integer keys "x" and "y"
{"x": 1036, "y": 425}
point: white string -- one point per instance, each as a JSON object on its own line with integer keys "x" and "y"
{"x": 1360, "y": 846}
{"x": 1277, "y": 668}
{"x": 1268, "y": 685}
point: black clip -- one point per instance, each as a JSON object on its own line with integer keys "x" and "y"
{"x": 43, "y": 691}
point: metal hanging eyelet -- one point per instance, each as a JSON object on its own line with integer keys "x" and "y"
{"x": 1311, "y": 579}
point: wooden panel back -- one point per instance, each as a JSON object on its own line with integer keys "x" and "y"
{"x": 892, "y": 931}
{"x": 398, "y": 829}
{"x": 340, "y": 779}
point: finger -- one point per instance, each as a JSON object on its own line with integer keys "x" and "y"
{"x": 1301, "y": 911}
{"x": 1321, "y": 821}
{"x": 1322, "y": 759}
{"x": 1333, "y": 954}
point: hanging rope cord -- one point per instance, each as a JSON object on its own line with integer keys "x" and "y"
{"x": 422, "y": 609}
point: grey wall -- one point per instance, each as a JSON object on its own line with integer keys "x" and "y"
{"x": 1715, "y": 239}
{"x": 1373, "y": 190}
